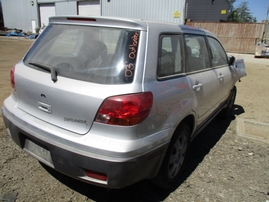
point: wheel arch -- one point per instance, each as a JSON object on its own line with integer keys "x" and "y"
{"x": 189, "y": 121}
{"x": 161, "y": 179}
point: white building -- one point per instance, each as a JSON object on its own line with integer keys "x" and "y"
{"x": 31, "y": 14}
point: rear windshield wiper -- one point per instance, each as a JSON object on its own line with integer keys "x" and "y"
{"x": 50, "y": 69}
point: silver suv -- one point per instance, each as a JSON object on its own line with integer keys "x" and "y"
{"x": 114, "y": 101}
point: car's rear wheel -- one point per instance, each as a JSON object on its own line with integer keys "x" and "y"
{"x": 175, "y": 158}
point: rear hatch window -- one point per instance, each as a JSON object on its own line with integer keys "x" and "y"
{"x": 95, "y": 54}
{"x": 59, "y": 79}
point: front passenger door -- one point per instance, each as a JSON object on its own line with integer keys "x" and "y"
{"x": 222, "y": 69}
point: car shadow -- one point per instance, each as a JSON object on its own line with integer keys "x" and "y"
{"x": 145, "y": 190}
{"x": 237, "y": 110}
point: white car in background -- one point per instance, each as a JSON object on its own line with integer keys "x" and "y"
{"x": 262, "y": 50}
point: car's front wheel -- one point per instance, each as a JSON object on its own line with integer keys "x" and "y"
{"x": 226, "y": 112}
{"x": 175, "y": 158}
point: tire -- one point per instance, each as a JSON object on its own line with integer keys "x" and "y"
{"x": 175, "y": 158}
{"x": 226, "y": 112}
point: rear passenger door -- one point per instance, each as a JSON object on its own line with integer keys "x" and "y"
{"x": 202, "y": 77}
{"x": 220, "y": 64}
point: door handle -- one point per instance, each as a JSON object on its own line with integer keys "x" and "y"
{"x": 44, "y": 107}
{"x": 197, "y": 86}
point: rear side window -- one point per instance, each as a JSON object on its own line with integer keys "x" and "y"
{"x": 169, "y": 57}
{"x": 219, "y": 56}
{"x": 95, "y": 54}
{"x": 197, "y": 57}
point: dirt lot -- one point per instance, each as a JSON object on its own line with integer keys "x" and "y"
{"x": 223, "y": 166}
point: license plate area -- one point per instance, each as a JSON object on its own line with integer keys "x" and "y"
{"x": 39, "y": 152}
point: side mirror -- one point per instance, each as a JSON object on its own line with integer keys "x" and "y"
{"x": 231, "y": 60}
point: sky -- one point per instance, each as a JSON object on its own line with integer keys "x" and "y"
{"x": 258, "y": 8}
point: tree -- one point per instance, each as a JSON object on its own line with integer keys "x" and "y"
{"x": 233, "y": 15}
{"x": 241, "y": 13}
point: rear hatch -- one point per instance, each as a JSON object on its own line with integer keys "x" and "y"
{"x": 63, "y": 77}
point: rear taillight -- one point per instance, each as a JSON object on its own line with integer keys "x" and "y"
{"x": 125, "y": 110}
{"x": 12, "y": 78}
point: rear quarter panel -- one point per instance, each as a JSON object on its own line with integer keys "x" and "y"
{"x": 173, "y": 99}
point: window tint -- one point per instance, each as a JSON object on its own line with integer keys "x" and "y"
{"x": 197, "y": 57}
{"x": 219, "y": 56}
{"x": 169, "y": 58}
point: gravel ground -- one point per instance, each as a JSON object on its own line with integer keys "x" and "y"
{"x": 222, "y": 166}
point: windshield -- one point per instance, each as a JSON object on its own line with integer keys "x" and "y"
{"x": 95, "y": 54}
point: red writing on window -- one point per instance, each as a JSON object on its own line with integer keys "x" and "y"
{"x": 133, "y": 46}
{"x": 129, "y": 69}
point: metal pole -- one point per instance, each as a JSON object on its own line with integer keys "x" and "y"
{"x": 265, "y": 26}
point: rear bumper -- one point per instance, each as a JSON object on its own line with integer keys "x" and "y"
{"x": 74, "y": 159}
